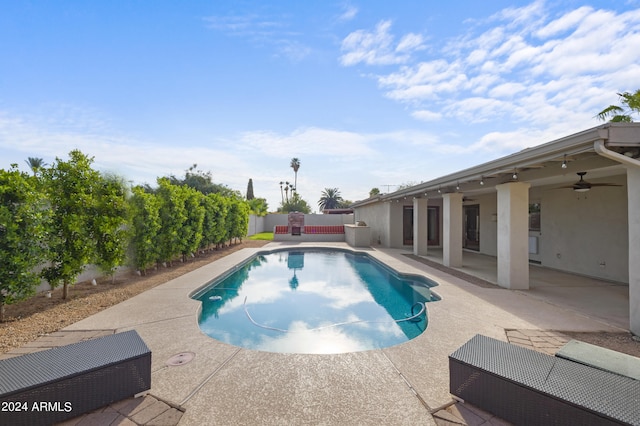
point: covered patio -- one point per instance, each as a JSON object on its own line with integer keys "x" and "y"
{"x": 555, "y": 218}
{"x": 597, "y": 299}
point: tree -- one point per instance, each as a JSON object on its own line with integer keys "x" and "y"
{"x": 108, "y": 223}
{"x": 295, "y": 204}
{"x": 202, "y": 181}
{"x": 258, "y": 207}
{"x": 374, "y": 192}
{"x": 345, "y": 204}
{"x": 209, "y": 221}
{"x": 221, "y": 218}
{"x": 191, "y": 233}
{"x": 237, "y": 219}
{"x": 406, "y": 185}
{"x": 145, "y": 228}
{"x": 287, "y": 186}
{"x": 22, "y": 218}
{"x": 281, "y": 192}
{"x": 172, "y": 218}
{"x": 330, "y": 199}
{"x": 250, "y": 195}
{"x": 617, "y": 114}
{"x": 295, "y": 165}
{"x": 70, "y": 190}
{"x": 35, "y": 164}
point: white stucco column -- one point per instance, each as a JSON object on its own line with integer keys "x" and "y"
{"x": 452, "y": 229}
{"x": 420, "y": 237}
{"x": 513, "y": 235}
{"x": 633, "y": 196}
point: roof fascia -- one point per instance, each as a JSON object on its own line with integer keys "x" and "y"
{"x": 570, "y": 145}
{"x": 616, "y": 134}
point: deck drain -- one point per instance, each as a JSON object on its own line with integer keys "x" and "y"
{"x": 180, "y": 359}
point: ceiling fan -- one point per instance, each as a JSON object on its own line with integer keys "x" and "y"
{"x": 583, "y": 186}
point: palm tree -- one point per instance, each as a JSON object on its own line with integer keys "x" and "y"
{"x": 622, "y": 114}
{"x": 281, "y": 193}
{"x": 330, "y": 199}
{"x": 35, "y": 164}
{"x": 295, "y": 165}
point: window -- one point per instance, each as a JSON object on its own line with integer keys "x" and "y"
{"x": 534, "y": 217}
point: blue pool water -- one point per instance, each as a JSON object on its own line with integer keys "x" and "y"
{"x": 315, "y": 301}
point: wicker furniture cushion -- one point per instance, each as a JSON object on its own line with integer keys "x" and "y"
{"x": 64, "y": 382}
{"x": 527, "y": 387}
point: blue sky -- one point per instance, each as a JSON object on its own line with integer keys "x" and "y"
{"x": 365, "y": 94}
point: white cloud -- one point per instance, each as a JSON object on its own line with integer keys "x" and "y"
{"x": 349, "y": 13}
{"x": 507, "y": 90}
{"x": 477, "y": 110}
{"x": 377, "y": 47}
{"x": 525, "y": 17}
{"x": 424, "y": 81}
{"x": 308, "y": 141}
{"x": 524, "y": 137}
{"x": 477, "y": 56}
{"x": 138, "y": 160}
{"x": 410, "y": 42}
{"x": 244, "y": 25}
{"x": 535, "y": 64}
{"x": 293, "y": 50}
{"x": 564, "y": 23}
{"x": 424, "y": 115}
{"x": 510, "y": 141}
{"x": 354, "y": 162}
{"x": 263, "y": 30}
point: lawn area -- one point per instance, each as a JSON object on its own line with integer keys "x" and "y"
{"x": 263, "y": 236}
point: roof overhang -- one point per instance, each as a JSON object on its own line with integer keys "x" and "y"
{"x": 540, "y": 165}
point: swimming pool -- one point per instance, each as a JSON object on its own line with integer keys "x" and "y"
{"x": 314, "y": 301}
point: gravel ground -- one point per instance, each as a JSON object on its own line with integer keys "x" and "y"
{"x": 30, "y": 319}
{"x": 27, "y": 320}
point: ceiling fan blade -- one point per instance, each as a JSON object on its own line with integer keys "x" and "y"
{"x": 583, "y": 185}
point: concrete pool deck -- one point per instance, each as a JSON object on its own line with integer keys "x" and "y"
{"x": 404, "y": 384}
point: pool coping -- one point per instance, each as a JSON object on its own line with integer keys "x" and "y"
{"x": 401, "y": 384}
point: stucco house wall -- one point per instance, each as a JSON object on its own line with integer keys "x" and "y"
{"x": 377, "y": 217}
{"x": 437, "y": 203}
{"x": 586, "y": 233}
{"x": 488, "y": 227}
{"x": 396, "y": 217}
{"x": 570, "y": 223}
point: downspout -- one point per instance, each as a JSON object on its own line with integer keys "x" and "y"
{"x": 633, "y": 198}
{"x": 602, "y": 150}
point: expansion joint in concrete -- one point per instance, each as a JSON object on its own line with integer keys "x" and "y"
{"x": 210, "y": 376}
{"x": 408, "y": 383}
{"x": 132, "y": 326}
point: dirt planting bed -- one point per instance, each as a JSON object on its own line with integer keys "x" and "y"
{"x": 27, "y": 320}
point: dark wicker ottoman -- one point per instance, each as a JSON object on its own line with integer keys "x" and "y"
{"x": 526, "y": 387}
{"x": 61, "y": 383}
